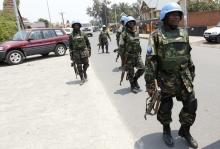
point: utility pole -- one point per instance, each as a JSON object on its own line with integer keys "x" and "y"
{"x": 17, "y": 15}
{"x": 48, "y": 12}
{"x": 185, "y": 15}
{"x": 61, "y": 13}
{"x": 116, "y": 17}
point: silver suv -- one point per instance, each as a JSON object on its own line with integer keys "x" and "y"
{"x": 213, "y": 34}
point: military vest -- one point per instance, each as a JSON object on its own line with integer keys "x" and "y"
{"x": 173, "y": 51}
{"x": 104, "y": 36}
{"x": 132, "y": 44}
{"x": 78, "y": 41}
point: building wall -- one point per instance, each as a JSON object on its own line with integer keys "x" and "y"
{"x": 207, "y": 18}
{"x": 8, "y": 6}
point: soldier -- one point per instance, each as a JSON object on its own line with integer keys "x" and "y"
{"x": 131, "y": 53}
{"x": 118, "y": 34}
{"x": 103, "y": 39}
{"x": 168, "y": 61}
{"x": 121, "y": 29}
{"x": 80, "y": 50}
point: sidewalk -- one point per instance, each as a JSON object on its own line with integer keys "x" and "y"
{"x": 50, "y": 110}
{"x": 191, "y": 38}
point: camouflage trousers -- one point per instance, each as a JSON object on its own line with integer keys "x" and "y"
{"x": 130, "y": 64}
{"x": 187, "y": 114}
{"x": 104, "y": 45}
{"x": 82, "y": 66}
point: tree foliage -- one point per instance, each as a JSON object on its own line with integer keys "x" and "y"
{"x": 45, "y": 21}
{"x": 7, "y": 26}
{"x": 203, "y": 6}
{"x": 104, "y": 12}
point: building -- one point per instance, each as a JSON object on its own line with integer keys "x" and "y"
{"x": 150, "y": 14}
{"x": 8, "y": 6}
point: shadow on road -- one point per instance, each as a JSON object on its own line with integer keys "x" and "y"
{"x": 75, "y": 82}
{"x": 215, "y": 145}
{"x": 154, "y": 141}
{"x": 31, "y": 59}
{"x": 123, "y": 91}
{"x": 116, "y": 69}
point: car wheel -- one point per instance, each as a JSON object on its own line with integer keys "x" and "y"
{"x": 208, "y": 40}
{"x": 60, "y": 50}
{"x": 14, "y": 57}
{"x": 45, "y": 54}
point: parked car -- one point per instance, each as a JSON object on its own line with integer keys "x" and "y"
{"x": 213, "y": 34}
{"x": 88, "y": 31}
{"x": 68, "y": 31}
{"x": 31, "y": 42}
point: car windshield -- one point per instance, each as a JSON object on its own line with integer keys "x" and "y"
{"x": 20, "y": 35}
{"x": 218, "y": 25}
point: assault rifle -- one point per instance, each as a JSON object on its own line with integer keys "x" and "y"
{"x": 153, "y": 102}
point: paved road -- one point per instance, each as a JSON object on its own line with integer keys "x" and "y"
{"x": 42, "y": 106}
{"x": 131, "y": 106}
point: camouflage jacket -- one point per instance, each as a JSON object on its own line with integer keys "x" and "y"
{"x": 104, "y": 36}
{"x": 130, "y": 44}
{"x": 169, "y": 60}
{"x": 79, "y": 45}
{"x": 118, "y": 34}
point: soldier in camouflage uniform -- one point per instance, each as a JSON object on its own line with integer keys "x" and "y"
{"x": 80, "y": 50}
{"x": 131, "y": 53}
{"x": 103, "y": 39}
{"x": 118, "y": 34}
{"x": 169, "y": 61}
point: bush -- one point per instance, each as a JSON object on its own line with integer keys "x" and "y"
{"x": 7, "y": 27}
{"x": 203, "y": 6}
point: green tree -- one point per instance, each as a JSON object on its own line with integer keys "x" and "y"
{"x": 45, "y": 21}
{"x": 7, "y": 26}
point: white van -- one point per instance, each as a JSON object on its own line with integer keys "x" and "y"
{"x": 213, "y": 34}
{"x": 87, "y": 29}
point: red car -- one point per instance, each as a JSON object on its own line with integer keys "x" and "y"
{"x": 32, "y": 42}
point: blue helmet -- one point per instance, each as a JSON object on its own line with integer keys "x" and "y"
{"x": 123, "y": 18}
{"x": 76, "y": 22}
{"x": 128, "y": 19}
{"x": 170, "y": 7}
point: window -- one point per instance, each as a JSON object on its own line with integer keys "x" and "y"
{"x": 35, "y": 35}
{"x": 59, "y": 32}
{"x": 48, "y": 33}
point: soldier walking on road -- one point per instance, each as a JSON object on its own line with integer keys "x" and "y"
{"x": 118, "y": 34}
{"x": 131, "y": 53}
{"x": 80, "y": 50}
{"x": 169, "y": 62}
{"x": 103, "y": 39}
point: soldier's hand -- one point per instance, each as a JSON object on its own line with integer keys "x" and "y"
{"x": 150, "y": 89}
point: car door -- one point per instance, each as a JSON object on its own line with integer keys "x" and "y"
{"x": 49, "y": 36}
{"x": 35, "y": 43}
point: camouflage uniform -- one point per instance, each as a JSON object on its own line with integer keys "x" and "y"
{"x": 169, "y": 53}
{"x": 103, "y": 40}
{"x": 80, "y": 50}
{"x": 131, "y": 54}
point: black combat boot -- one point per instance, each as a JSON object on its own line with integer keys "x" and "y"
{"x": 82, "y": 79}
{"x": 185, "y": 133}
{"x": 137, "y": 86}
{"x": 133, "y": 88}
{"x": 167, "y": 137}
{"x": 85, "y": 76}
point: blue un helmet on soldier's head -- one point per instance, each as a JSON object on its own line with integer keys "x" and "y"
{"x": 129, "y": 19}
{"x": 170, "y": 7}
{"x": 76, "y": 22}
{"x": 123, "y": 18}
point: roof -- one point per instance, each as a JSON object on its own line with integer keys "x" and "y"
{"x": 158, "y": 4}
